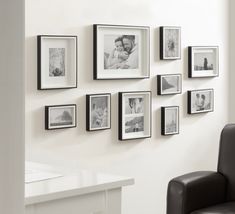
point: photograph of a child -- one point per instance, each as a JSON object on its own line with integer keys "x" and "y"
{"x": 202, "y": 101}
{"x": 56, "y": 62}
{"x": 99, "y": 112}
{"x": 121, "y": 52}
{"x": 204, "y": 61}
{"x": 134, "y": 105}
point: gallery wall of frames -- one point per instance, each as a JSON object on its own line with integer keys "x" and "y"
{"x": 122, "y": 52}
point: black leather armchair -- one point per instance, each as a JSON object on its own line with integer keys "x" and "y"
{"x": 206, "y": 192}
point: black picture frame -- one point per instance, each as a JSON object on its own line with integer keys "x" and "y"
{"x": 44, "y": 66}
{"x": 67, "y": 120}
{"x": 168, "y": 39}
{"x": 166, "y": 86}
{"x": 142, "y": 117}
{"x": 205, "y": 104}
{"x": 203, "y": 70}
{"x": 99, "y": 70}
{"x": 97, "y": 125}
{"x": 169, "y": 123}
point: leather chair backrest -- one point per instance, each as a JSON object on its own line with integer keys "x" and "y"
{"x": 226, "y": 163}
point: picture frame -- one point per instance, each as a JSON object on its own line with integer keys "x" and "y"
{"x": 170, "y": 43}
{"x": 135, "y": 115}
{"x": 121, "y": 52}
{"x": 98, "y": 111}
{"x": 203, "y": 61}
{"x": 60, "y": 116}
{"x": 57, "y": 62}
{"x": 170, "y": 120}
{"x": 200, "y": 101}
{"x": 169, "y": 84}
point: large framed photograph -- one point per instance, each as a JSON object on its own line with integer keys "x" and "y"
{"x": 60, "y": 116}
{"x": 200, "y": 101}
{"x": 134, "y": 115}
{"x": 169, "y": 84}
{"x": 98, "y": 112}
{"x": 121, "y": 52}
{"x": 170, "y": 43}
{"x": 203, "y": 61}
{"x": 57, "y": 62}
{"x": 170, "y": 120}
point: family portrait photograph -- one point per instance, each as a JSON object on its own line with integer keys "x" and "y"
{"x": 121, "y": 52}
{"x": 61, "y": 116}
{"x": 170, "y": 43}
{"x": 201, "y": 101}
{"x": 98, "y": 111}
{"x": 203, "y": 61}
{"x": 169, "y": 84}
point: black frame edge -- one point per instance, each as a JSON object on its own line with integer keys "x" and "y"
{"x": 161, "y": 42}
{"x": 190, "y": 61}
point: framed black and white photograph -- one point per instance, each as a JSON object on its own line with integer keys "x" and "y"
{"x": 170, "y": 120}
{"x": 60, "y": 116}
{"x": 121, "y": 52}
{"x": 57, "y": 62}
{"x": 170, "y": 43}
{"x": 203, "y": 61}
{"x": 134, "y": 115}
{"x": 200, "y": 101}
{"x": 98, "y": 112}
{"x": 169, "y": 84}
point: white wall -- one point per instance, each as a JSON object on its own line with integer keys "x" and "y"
{"x": 152, "y": 162}
{"x": 12, "y": 112}
{"x": 232, "y": 62}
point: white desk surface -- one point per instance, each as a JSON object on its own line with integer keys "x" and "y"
{"x": 69, "y": 184}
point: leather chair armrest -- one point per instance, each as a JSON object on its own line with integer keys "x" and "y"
{"x": 195, "y": 190}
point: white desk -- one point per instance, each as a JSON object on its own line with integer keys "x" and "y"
{"x": 82, "y": 192}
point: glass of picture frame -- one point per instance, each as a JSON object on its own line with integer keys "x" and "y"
{"x": 121, "y": 52}
{"x": 98, "y": 112}
{"x": 203, "y": 61}
{"x": 168, "y": 84}
{"x": 134, "y": 115}
{"x": 169, "y": 120}
{"x": 170, "y": 43}
{"x": 57, "y": 62}
{"x": 200, "y": 101}
{"x": 60, "y": 116}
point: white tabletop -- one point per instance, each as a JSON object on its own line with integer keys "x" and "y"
{"x": 68, "y": 184}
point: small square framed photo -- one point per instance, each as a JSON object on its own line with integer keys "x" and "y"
{"x": 170, "y": 120}
{"x": 60, "y": 116}
{"x": 170, "y": 43}
{"x": 57, "y": 62}
{"x": 98, "y": 112}
{"x": 200, "y": 101}
{"x": 134, "y": 115}
{"x": 169, "y": 84}
{"x": 203, "y": 61}
{"x": 121, "y": 52}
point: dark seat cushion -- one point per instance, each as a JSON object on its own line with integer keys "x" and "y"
{"x": 225, "y": 208}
